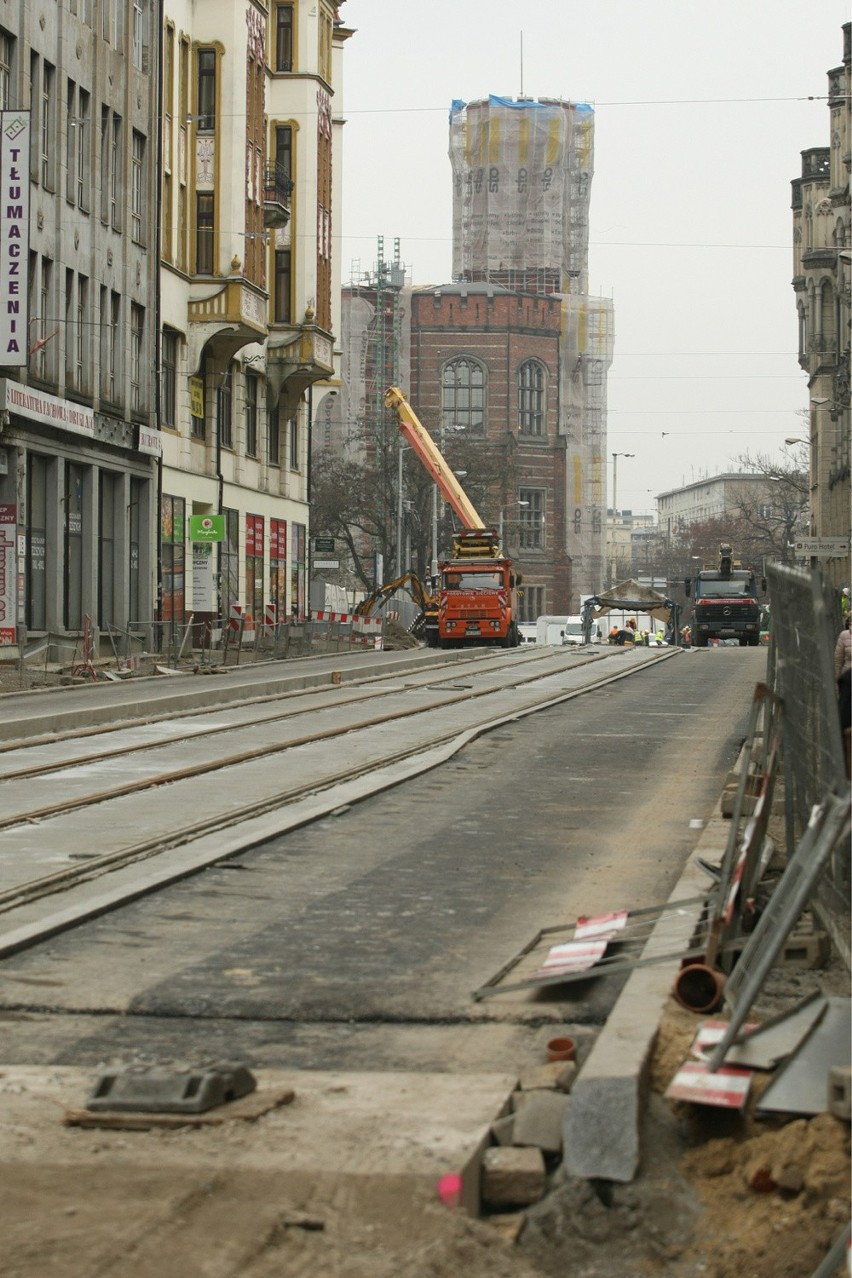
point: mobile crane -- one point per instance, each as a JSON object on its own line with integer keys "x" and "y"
{"x": 477, "y": 592}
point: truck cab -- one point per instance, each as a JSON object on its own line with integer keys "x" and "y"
{"x": 725, "y": 603}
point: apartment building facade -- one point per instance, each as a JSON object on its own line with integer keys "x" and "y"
{"x": 250, "y": 297}
{"x": 822, "y": 270}
{"x": 79, "y": 443}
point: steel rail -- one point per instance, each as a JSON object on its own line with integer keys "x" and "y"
{"x": 66, "y": 765}
{"x": 61, "y": 880}
{"x": 143, "y": 720}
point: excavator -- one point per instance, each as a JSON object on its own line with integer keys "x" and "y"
{"x": 476, "y": 598}
{"x": 425, "y": 625}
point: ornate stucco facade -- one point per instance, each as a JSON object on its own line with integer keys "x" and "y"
{"x": 822, "y": 267}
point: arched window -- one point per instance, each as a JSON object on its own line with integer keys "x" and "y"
{"x": 531, "y": 398}
{"x": 463, "y": 396}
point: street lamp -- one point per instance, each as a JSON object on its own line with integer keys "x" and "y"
{"x": 500, "y": 520}
{"x": 402, "y": 448}
{"x": 615, "y": 457}
{"x": 442, "y": 429}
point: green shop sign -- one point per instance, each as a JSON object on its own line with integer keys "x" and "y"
{"x": 207, "y": 528}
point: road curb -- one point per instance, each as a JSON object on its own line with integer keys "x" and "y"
{"x": 602, "y": 1122}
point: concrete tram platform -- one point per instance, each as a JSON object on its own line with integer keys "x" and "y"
{"x": 45, "y": 711}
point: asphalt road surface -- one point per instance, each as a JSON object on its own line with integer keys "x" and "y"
{"x": 356, "y": 942}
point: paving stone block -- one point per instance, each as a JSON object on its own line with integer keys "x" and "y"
{"x": 512, "y": 1177}
{"x": 810, "y": 948}
{"x": 729, "y": 802}
{"x": 502, "y": 1129}
{"x": 539, "y": 1117}
{"x": 556, "y": 1075}
{"x": 840, "y": 1091}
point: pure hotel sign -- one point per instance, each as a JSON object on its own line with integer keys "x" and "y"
{"x": 14, "y": 236}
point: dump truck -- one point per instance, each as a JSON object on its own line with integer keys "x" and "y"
{"x": 725, "y": 604}
{"x": 477, "y": 590}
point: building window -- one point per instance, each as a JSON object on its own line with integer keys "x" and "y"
{"x": 531, "y": 398}
{"x": 137, "y": 522}
{"x": 113, "y": 365}
{"x": 294, "y": 443}
{"x": 83, "y": 131}
{"x": 204, "y": 233}
{"x": 75, "y": 511}
{"x": 273, "y": 427}
{"x": 139, "y": 33}
{"x": 137, "y": 338}
{"x": 81, "y": 336}
{"x": 254, "y": 566}
{"x": 531, "y": 518}
{"x": 463, "y": 396}
{"x": 137, "y": 188}
{"x": 326, "y": 32}
{"x": 282, "y": 286}
{"x": 173, "y": 557}
{"x": 229, "y": 562}
{"x": 69, "y": 328}
{"x": 251, "y": 414}
{"x": 70, "y": 144}
{"x": 48, "y": 157}
{"x": 284, "y": 37}
{"x": 168, "y": 400}
{"x": 278, "y": 566}
{"x": 6, "y": 45}
{"x": 115, "y": 159}
{"x": 224, "y": 411}
{"x": 206, "y": 90}
{"x": 531, "y": 599}
{"x": 38, "y": 550}
{"x": 284, "y": 149}
{"x": 113, "y": 22}
{"x": 109, "y": 521}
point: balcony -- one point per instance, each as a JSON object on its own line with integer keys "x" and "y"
{"x": 234, "y": 314}
{"x": 277, "y": 189}
{"x": 297, "y": 357}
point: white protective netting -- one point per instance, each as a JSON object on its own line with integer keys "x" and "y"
{"x": 586, "y": 352}
{"x": 522, "y": 176}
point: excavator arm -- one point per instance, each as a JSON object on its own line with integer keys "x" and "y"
{"x": 409, "y": 582}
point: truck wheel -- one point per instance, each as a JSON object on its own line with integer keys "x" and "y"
{"x": 699, "y": 641}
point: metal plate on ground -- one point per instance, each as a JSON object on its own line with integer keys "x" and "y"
{"x": 801, "y": 1085}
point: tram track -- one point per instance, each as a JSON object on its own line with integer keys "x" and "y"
{"x": 104, "y": 804}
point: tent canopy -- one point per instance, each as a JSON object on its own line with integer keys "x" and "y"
{"x": 630, "y": 596}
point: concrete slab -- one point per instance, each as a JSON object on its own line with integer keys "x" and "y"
{"x": 354, "y": 1124}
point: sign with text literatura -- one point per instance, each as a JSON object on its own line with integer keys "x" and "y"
{"x": 14, "y": 237}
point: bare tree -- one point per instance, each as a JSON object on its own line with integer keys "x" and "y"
{"x": 350, "y": 500}
{"x": 773, "y": 509}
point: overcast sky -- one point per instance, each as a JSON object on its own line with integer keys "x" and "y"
{"x": 701, "y": 112}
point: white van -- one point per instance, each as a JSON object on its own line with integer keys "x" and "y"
{"x": 557, "y": 631}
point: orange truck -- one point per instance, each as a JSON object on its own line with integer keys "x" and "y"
{"x": 477, "y": 593}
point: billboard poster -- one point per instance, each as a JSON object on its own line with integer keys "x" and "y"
{"x": 14, "y": 236}
{"x": 8, "y": 579}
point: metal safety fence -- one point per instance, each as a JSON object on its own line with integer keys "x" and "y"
{"x": 805, "y": 623}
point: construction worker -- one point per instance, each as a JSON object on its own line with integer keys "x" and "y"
{"x": 613, "y": 635}
{"x": 660, "y": 638}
